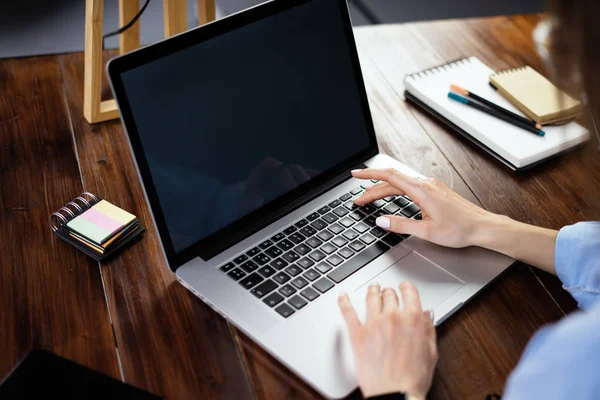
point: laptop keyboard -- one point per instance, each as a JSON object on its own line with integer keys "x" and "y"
{"x": 295, "y": 266}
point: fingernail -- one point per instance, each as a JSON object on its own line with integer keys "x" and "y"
{"x": 374, "y": 284}
{"x": 355, "y": 170}
{"x": 383, "y": 222}
{"x": 342, "y": 294}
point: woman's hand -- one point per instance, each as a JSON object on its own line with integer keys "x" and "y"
{"x": 448, "y": 219}
{"x": 395, "y": 350}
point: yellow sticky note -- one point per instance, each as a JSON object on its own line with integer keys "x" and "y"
{"x": 114, "y": 212}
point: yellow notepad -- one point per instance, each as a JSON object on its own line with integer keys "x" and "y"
{"x": 536, "y": 96}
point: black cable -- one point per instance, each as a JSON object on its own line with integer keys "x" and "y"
{"x": 128, "y": 25}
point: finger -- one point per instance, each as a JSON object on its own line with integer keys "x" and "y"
{"x": 398, "y": 224}
{"x": 410, "y": 297}
{"x": 376, "y": 194}
{"x": 373, "y": 301}
{"x": 375, "y": 186}
{"x": 391, "y": 176}
{"x": 349, "y": 315}
{"x": 390, "y": 300}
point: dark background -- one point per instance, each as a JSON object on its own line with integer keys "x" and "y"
{"x": 57, "y": 26}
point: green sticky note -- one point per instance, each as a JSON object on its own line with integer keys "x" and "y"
{"x": 89, "y": 230}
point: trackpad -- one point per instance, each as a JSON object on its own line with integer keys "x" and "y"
{"x": 435, "y": 284}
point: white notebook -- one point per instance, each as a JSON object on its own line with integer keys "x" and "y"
{"x": 516, "y": 147}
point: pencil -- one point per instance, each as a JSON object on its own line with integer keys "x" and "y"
{"x": 457, "y": 89}
{"x": 495, "y": 113}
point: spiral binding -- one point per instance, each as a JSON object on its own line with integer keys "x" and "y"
{"x": 78, "y": 205}
{"x": 440, "y": 68}
{"x": 510, "y": 71}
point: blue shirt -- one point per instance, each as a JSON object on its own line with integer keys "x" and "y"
{"x": 562, "y": 360}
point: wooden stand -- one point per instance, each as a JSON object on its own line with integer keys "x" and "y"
{"x": 175, "y": 21}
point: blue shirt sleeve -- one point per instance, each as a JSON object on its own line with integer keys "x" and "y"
{"x": 562, "y": 360}
{"x": 577, "y": 262}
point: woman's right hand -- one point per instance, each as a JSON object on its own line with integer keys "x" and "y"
{"x": 448, "y": 219}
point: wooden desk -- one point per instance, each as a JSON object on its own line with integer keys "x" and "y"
{"x": 129, "y": 318}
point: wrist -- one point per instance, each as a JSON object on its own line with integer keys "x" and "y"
{"x": 494, "y": 232}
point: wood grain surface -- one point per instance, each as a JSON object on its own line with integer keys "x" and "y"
{"x": 167, "y": 340}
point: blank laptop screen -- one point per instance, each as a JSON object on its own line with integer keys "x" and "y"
{"x": 232, "y": 123}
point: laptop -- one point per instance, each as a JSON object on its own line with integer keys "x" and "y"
{"x": 245, "y": 131}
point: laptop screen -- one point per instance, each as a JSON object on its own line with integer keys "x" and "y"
{"x": 231, "y": 124}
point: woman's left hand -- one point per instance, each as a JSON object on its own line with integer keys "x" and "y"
{"x": 395, "y": 350}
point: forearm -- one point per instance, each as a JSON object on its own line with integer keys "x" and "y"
{"x": 530, "y": 244}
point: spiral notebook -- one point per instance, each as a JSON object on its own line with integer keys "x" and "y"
{"x": 513, "y": 146}
{"x": 94, "y": 226}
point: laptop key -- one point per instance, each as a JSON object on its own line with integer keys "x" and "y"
{"x": 317, "y": 255}
{"x": 336, "y": 228}
{"x": 290, "y": 256}
{"x": 334, "y": 203}
{"x": 284, "y": 310}
{"x": 278, "y": 237}
{"x": 305, "y": 262}
{"x": 367, "y": 238}
{"x": 264, "y": 288}
{"x": 347, "y": 222}
{"x": 350, "y": 205}
{"x": 289, "y": 230}
{"x": 298, "y": 302}
{"x": 361, "y": 228}
{"x": 350, "y": 234}
{"x": 356, "y": 191}
{"x": 308, "y": 231}
{"x": 227, "y": 267}
{"x": 339, "y": 241}
{"x": 279, "y": 263}
{"x": 323, "y": 210}
{"x": 370, "y": 220}
{"x": 401, "y": 202}
{"x": 299, "y": 282}
{"x": 328, "y": 248}
{"x": 346, "y": 252}
{"x": 266, "y": 244}
{"x": 340, "y": 211}
{"x": 273, "y": 299}
{"x": 323, "y": 267}
{"x": 330, "y": 218}
{"x": 302, "y": 249}
{"x": 293, "y": 270}
{"x": 281, "y": 277}
{"x": 357, "y": 215}
{"x": 419, "y": 216}
{"x": 378, "y": 232}
{"x": 311, "y": 274}
{"x": 357, "y": 245}
{"x": 356, "y": 263}
{"x": 309, "y": 294}
{"x": 261, "y": 259}
{"x": 389, "y": 198}
{"x": 313, "y": 216}
{"x": 368, "y": 209}
{"x": 296, "y": 238}
{"x": 323, "y": 285}
{"x": 335, "y": 260}
{"x": 241, "y": 259}
{"x": 287, "y": 290}
{"x": 249, "y": 266}
{"x": 391, "y": 208}
{"x": 392, "y": 239}
{"x": 273, "y": 252}
{"x": 345, "y": 197}
{"x": 314, "y": 242}
{"x": 410, "y": 210}
{"x": 378, "y": 203}
{"x": 367, "y": 184}
{"x": 319, "y": 224}
{"x": 378, "y": 213}
{"x": 301, "y": 223}
{"x": 253, "y": 252}
{"x": 285, "y": 245}
{"x": 266, "y": 271}
{"x": 251, "y": 280}
{"x": 236, "y": 274}
{"x": 325, "y": 235}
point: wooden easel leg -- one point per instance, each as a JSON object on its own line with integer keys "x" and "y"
{"x": 95, "y": 110}
{"x": 206, "y": 11}
{"x": 175, "y": 13}
{"x": 130, "y": 39}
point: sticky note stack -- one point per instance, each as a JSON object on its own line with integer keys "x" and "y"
{"x": 103, "y": 227}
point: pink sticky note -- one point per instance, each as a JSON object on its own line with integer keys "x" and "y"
{"x": 102, "y": 220}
